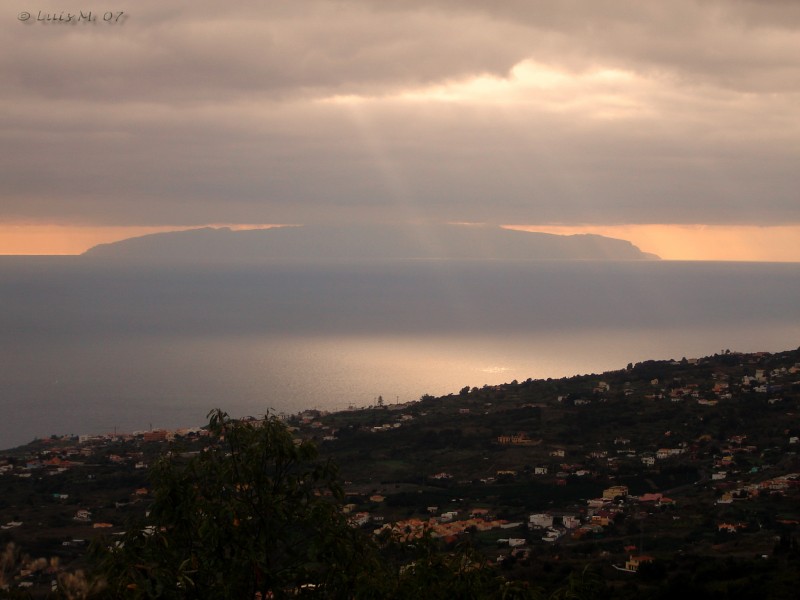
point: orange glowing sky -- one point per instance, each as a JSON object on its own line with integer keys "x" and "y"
{"x": 670, "y": 242}
{"x": 37, "y": 239}
{"x": 699, "y": 242}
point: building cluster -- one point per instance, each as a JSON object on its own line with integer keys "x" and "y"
{"x": 446, "y": 525}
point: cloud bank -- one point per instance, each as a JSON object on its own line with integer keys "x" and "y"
{"x": 602, "y": 111}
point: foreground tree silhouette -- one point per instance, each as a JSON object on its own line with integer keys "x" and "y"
{"x": 254, "y": 512}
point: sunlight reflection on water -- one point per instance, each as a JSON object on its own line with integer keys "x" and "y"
{"x": 134, "y": 383}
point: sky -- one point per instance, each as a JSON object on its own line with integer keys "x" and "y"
{"x": 675, "y": 124}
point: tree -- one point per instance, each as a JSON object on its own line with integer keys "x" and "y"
{"x": 254, "y": 512}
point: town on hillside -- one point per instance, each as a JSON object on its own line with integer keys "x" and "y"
{"x": 659, "y": 471}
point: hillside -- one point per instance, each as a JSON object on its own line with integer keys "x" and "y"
{"x": 368, "y": 242}
{"x": 690, "y": 465}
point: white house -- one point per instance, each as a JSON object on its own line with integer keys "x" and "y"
{"x": 542, "y": 520}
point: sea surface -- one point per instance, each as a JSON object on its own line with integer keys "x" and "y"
{"x": 98, "y": 346}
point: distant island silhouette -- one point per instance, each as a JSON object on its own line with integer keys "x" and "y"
{"x": 358, "y": 242}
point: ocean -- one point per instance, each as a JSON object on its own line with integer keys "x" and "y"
{"x": 91, "y": 347}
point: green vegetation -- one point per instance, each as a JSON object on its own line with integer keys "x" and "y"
{"x": 249, "y": 514}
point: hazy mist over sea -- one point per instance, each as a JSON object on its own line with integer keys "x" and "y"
{"x": 87, "y": 346}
